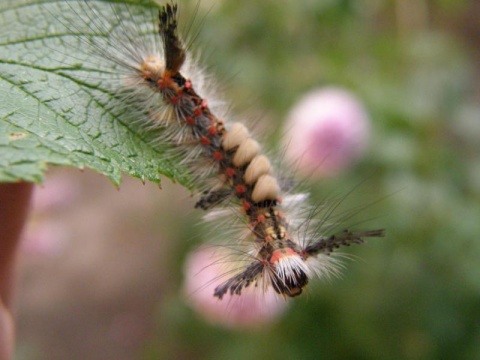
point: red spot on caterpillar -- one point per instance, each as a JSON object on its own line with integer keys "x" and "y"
{"x": 197, "y": 112}
{"x": 165, "y": 82}
{"x": 175, "y": 100}
{"x": 246, "y": 205}
{"x": 190, "y": 120}
{"x": 268, "y": 238}
{"x": 212, "y": 130}
{"x": 204, "y": 103}
{"x": 217, "y": 155}
{"x": 205, "y": 141}
{"x": 240, "y": 189}
{"x": 230, "y": 172}
{"x": 188, "y": 85}
{"x": 261, "y": 218}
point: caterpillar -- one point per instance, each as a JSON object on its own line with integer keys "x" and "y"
{"x": 286, "y": 245}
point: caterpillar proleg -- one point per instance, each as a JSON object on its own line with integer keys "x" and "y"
{"x": 286, "y": 245}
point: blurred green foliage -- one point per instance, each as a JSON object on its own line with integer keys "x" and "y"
{"x": 416, "y": 293}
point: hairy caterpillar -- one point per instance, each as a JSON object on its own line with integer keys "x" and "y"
{"x": 286, "y": 245}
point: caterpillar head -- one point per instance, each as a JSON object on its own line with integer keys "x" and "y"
{"x": 289, "y": 273}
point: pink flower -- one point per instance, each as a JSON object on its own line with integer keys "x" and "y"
{"x": 326, "y": 132}
{"x": 254, "y": 307}
{"x": 57, "y": 193}
{"x": 44, "y": 238}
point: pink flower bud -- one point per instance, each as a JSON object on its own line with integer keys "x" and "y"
{"x": 204, "y": 270}
{"x": 327, "y": 130}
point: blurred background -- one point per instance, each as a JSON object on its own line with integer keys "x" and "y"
{"x": 102, "y": 268}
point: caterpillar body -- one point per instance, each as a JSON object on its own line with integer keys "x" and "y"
{"x": 285, "y": 247}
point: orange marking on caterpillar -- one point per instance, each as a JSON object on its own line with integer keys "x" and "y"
{"x": 205, "y": 140}
{"x": 212, "y": 130}
{"x": 197, "y": 112}
{"x": 217, "y": 155}
{"x": 246, "y": 205}
{"x": 240, "y": 189}
{"x": 230, "y": 172}
{"x": 165, "y": 82}
{"x": 280, "y": 253}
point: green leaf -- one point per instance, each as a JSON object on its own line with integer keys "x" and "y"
{"x": 57, "y": 106}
